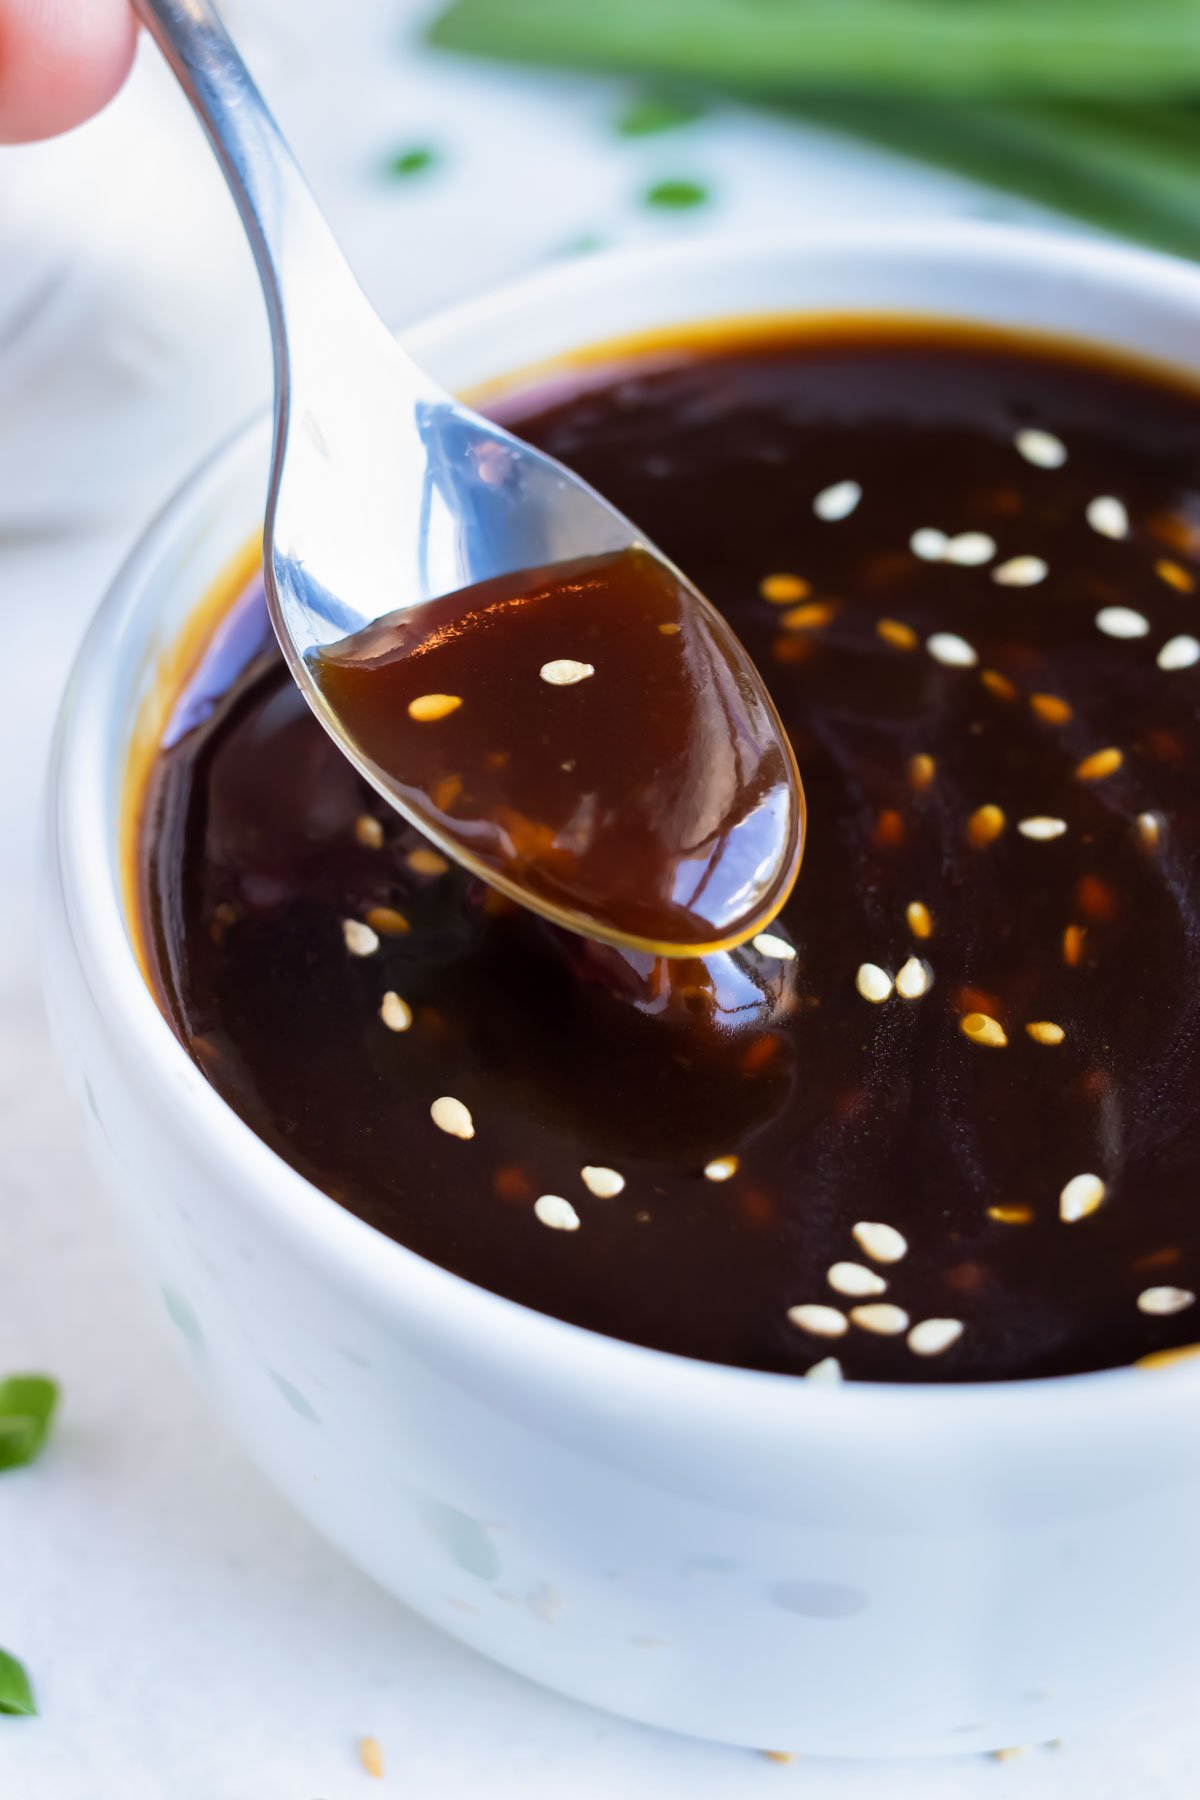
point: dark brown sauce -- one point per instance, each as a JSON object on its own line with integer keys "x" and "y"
{"x": 977, "y": 1020}
{"x": 592, "y": 735}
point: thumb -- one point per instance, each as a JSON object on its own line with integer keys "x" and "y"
{"x": 60, "y": 61}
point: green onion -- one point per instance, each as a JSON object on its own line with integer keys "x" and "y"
{"x": 16, "y": 1694}
{"x": 676, "y": 195}
{"x": 27, "y": 1404}
{"x": 651, "y": 113}
{"x": 413, "y": 161}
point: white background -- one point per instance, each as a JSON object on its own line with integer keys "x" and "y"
{"x": 189, "y": 1638}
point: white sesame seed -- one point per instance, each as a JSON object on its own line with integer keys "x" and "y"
{"x": 1080, "y": 1197}
{"x": 1041, "y": 448}
{"x": 948, "y": 648}
{"x": 720, "y": 1168}
{"x": 1149, "y": 825}
{"x": 565, "y": 672}
{"x": 1122, "y": 622}
{"x": 452, "y": 1117}
{"x": 854, "y": 1278}
{"x": 1179, "y": 653}
{"x": 1020, "y": 571}
{"x": 826, "y": 1372}
{"x": 557, "y": 1213}
{"x": 873, "y": 983}
{"x": 838, "y": 501}
{"x": 606, "y": 1184}
{"x": 1106, "y": 515}
{"x": 1161, "y": 1302}
{"x": 932, "y": 1336}
{"x": 818, "y": 1321}
{"x": 881, "y": 1318}
{"x": 913, "y": 979}
{"x": 928, "y": 543}
{"x": 395, "y": 1012}
{"x": 767, "y": 944}
{"x": 368, "y": 831}
{"x": 969, "y": 549}
{"x": 1041, "y": 829}
{"x": 360, "y": 940}
{"x": 882, "y": 1243}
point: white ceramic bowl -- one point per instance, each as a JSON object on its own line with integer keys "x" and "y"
{"x": 865, "y": 1570}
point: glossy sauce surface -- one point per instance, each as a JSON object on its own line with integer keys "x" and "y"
{"x": 941, "y": 1121}
{"x": 593, "y": 734}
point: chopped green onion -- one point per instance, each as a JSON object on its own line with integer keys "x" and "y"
{"x": 27, "y": 1404}
{"x": 413, "y": 161}
{"x": 651, "y": 113}
{"x": 676, "y": 195}
{"x": 16, "y": 1694}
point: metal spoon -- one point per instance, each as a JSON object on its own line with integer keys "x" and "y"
{"x": 384, "y": 490}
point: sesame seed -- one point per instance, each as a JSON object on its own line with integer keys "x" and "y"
{"x": 921, "y": 770}
{"x": 565, "y": 672}
{"x": 452, "y": 1117}
{"x": 818, "y": 1321}
{"x": 1099, "y": 764}
{"x": 360, "y": 940}
{"x": 1175, "y": 575}
{"x": 720, "y": 1168}
{"x": 827, "y": 1371}
{"x": 998, "y": 684}
{"x": 552, "y": 1210}
{"x": 370, "y": 1754}
{"x": 670, "y": 627}
{"x": 1121, "y": 622}
{"x": 838, "y": 501}
{"x": 1040, "y": 829}
{"x": 928, "y": 543}
{"x": 368, "y": 831}
{"x": 1106, "y": 515}
{"x": 873, "y": 983}
{"x": 1051, "y": 709}
{"x": 423, "y": 861}
{"x": 427, "y": 708}
{"x": 1041, "y": 448}
{"x": 1044, "y": 1031}
{"x": 920, "y": 919}
{"x": 1073, "y": 938}
{"x": 1164, "y": 1359}
{"x": 932, "y": 1336}
{"x": 913, "y": 979}
{"x": 1179, "y": 653}
{"x": 1080, "y": 1197}
{"x": 1161, "y": 1302}
{"x": 985, "y": 825}
{"x": 395, "y": 1012}
{"x": 1149, "y": 826}
{"x": 809, "y": 617}
{"x": 1011, "y": 1215}
{"x": 606, "y": 1184}
{"x": 969, "y": 549}
{"x": 981, "y": 1028}
{"x": 880, "y": 1318}
{"x": 896, "y": 633}
{"x": 782, "y": 590}
{"x": 953, "y": 651}
{"x": 767, "y": 944}
{"x": 854, "y": 1278}
{"x": 882, "y": 1243}
{"x": 387, "y": 921}
{"x": 1020, "y": 571}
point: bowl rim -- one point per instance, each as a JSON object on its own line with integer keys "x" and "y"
{"x": 84, "y": 891}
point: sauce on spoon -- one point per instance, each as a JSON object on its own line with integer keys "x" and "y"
{"x": 592, "y": 739}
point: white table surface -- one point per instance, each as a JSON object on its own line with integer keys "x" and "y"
{"x": 189, "y": 1638}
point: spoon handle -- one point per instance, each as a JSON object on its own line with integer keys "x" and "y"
{"x": 287, "y": 231}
